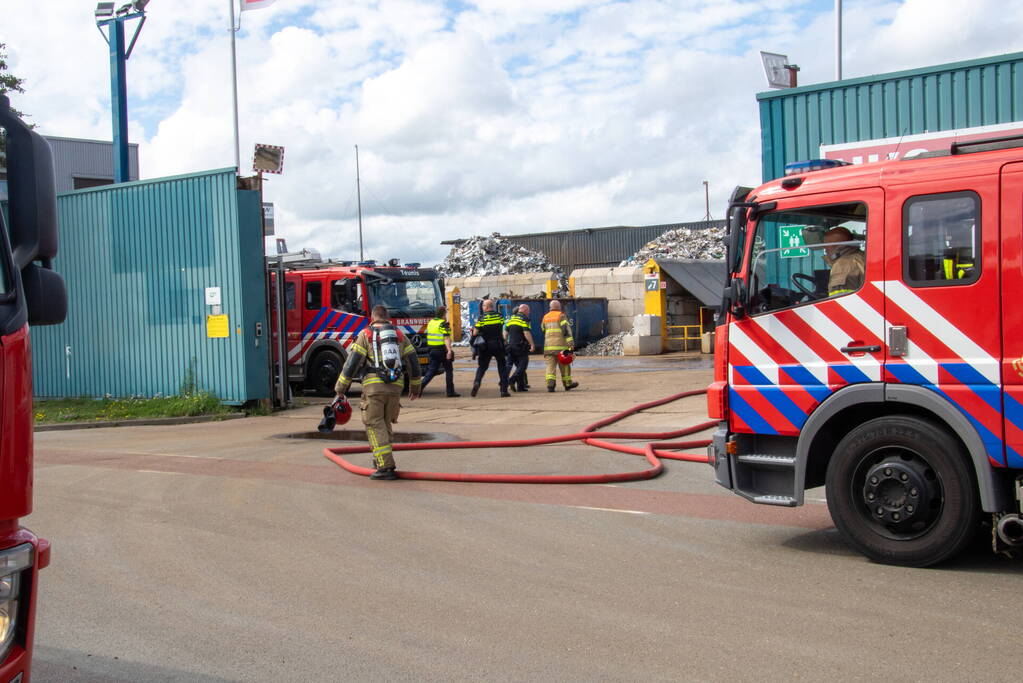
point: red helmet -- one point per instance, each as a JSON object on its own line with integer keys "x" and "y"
{"x": 342, "y": 411}
{"x": 565, "y": 357}
{"x": 337, "y": 413}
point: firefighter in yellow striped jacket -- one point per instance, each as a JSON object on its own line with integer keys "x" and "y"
{"x": 557, "y": 337}
{"x": 377, "y": 350}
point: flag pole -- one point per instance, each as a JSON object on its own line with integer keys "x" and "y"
{"x": 234, "y": 91}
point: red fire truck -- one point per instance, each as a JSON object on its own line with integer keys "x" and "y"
{"x": 30, "y": 294}
{"x": 327, "y": 304}
{"x": 901, "y": 388}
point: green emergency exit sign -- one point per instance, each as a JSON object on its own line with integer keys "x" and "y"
{"x": 790, "y": 239}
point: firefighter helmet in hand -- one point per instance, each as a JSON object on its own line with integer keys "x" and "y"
{"x": 337, "y": 413}
{"x": 565, "y": 357}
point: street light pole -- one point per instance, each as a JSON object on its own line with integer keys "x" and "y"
{"x": 119, "y": 54}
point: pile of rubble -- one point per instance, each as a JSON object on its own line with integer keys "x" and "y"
{"x": 611, "y": 345}
{"x": 464, "y": 341}
{"x": 684, "y": 243}
{"x": 496, "y": 255}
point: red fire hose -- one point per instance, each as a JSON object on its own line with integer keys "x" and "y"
{"x": 653, "y": 451}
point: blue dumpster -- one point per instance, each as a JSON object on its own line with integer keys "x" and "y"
{"x": 588, "y": 316}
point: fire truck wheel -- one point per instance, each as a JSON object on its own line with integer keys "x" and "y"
{"x": 323, "y": 372}
{"x": 901, "y": 492}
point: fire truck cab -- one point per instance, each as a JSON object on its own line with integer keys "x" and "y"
{"x": 870, "y": 342}
{"x": 327, "y": 304}
{"x": 31, "y": 294}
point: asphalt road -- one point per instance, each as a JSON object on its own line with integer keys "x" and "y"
{"x": 223, "y": 552}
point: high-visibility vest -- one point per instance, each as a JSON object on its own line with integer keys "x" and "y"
{"x": 557, "y": 334}
{"x": 436, "y": 330}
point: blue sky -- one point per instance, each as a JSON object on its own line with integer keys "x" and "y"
{"x": 473, "y": 117}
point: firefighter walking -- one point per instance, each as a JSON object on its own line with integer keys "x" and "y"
{"x": 557, "y": 337}
{"x": 438, "y": 339}
{"x": 385, "y": 356}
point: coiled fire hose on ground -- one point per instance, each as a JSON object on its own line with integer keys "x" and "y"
{"x": 654, "y": 451}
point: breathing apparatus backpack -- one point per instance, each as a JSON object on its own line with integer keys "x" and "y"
{"x": 385, "y": 357}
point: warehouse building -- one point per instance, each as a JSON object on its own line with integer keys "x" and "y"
{"x": 80, "y": 164}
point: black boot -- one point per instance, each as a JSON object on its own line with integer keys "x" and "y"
{"x": 571, "y": 385}
{"x": 385, "y": 473}
{"x": 505, "y": 394}
{"x": 550, "y": 387}
{"x": 475, "y": 389}
{"x": 453, "y": 395}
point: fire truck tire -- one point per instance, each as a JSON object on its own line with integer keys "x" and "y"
{"x": 901, "y": 492}
{"x": 323, "y": 372}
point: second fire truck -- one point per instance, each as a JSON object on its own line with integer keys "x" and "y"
{"x": 327, "y": 304}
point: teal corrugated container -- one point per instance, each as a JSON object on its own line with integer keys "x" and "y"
{"x": 794, "y": 123}
{"x": 137, "y": 259}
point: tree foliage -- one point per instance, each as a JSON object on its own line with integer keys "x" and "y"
{"x": 8, "y": 83}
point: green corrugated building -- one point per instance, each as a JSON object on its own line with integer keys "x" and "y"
{"x": 138, "y": 259}
{"x": 795, "y": 122}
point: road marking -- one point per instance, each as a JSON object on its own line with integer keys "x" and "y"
{"x": 75, "y": 449}
{"x": 818, "y": 500}
{"x": 628, "y": 512}
{"x": 158, "y": 472}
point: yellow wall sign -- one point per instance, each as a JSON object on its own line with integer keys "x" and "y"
{"x": 217, "y": 326}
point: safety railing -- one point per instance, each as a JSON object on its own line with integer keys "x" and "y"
{"x": 689, "y": 333}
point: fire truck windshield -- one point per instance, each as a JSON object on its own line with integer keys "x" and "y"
{"x": 406, "y": 298}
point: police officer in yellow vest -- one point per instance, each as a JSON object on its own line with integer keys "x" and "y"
{"x": 519, "y": 340}
{"x": 373, "y": 351}
{"x": 438, "y": 339}
{"x": 557, "y": 337}
{"x": 489, "y": 343}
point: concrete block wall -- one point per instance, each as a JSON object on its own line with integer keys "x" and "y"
{"x": 522, "y": 286}
{"x": 623, "y": 289}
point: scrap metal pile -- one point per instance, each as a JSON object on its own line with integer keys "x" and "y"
{"x": 611, "y": 345}
{"x": 496, "y": 255}
{"x": 703, "y": 244}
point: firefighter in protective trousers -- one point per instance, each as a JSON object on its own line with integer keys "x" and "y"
{"x": 557, "y": 337}
{"x": 385, "y": 356}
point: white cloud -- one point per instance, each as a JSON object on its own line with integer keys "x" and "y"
{"x": 511, "y": 116}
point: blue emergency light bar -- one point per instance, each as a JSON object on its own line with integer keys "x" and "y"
{"x": 811, "y": 165}
{"x": 413, "y": 265}
{"x": 368, "y": 264}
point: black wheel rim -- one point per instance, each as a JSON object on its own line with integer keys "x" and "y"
{"x": 328, "y": 373}
{"x": 897, "y": 492}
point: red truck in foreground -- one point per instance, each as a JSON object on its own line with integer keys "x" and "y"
{"x": 871, "y": 341}
{"x": 31, "y": 293}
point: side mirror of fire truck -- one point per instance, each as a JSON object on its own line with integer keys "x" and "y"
{"x": 32, "y": 209}
{"x": 735, "y": 298}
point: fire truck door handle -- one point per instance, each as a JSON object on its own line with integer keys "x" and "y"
{"x": 861, "y": 349}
